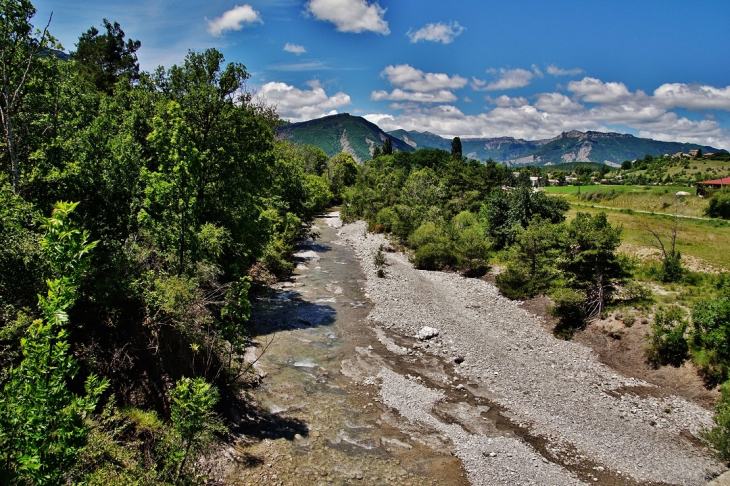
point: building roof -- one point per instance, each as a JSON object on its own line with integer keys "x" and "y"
{"x": 723, "y": 181}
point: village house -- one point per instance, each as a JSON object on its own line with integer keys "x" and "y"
{"x": 702, "y": 187}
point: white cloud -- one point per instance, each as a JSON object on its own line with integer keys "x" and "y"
{"x": 557, "y": 103}
{"x": 233, "y": 19}
{"x": 294, "y": 48}
{"x": 299, "y": 105}
{"x": 350, "y": 15}
{"x": 594, "y": 90}
{"x": 437, "y": 32}
{"x": 417, "y": 86}
{"x": 508, "y": 79}
{"x": 407, "y": 77}
{"x": 441, "y": 96}
{"x": 505, "y": 101}
{"x": 693, "y": 97}
{"x": 554, "y": 70}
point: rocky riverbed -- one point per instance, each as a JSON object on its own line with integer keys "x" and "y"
{"x": 585, "y": 413}
{"x": 429, "y": 378}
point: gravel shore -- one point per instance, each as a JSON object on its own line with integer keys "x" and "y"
{"x": 557, "y": 390}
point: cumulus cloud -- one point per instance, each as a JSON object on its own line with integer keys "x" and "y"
{"x": 351, "y": 15}
{"x": 505, "y": 101}
{"x": 441, "y": 96}
{"x": 557, "y": 103}
{"x": 233, "y": 19}
{"x": 294, "y": 48}
{"x": 410, "y": 78}
{"x": 437, "y": 32}
{"x": 594, "y": 90}
{"x": 299, "y": 105}
{"x": 507, "y": 79}
{"x": 693, "y": 97}
{"x": 554, "y": 70}
{"x": 417, "y": 86}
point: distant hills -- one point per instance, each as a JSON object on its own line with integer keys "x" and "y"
{"x": 359, "y": 137}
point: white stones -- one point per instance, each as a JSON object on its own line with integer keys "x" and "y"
{"x": 427, "y": 332}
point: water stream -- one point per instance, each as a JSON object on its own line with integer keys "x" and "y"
{"x": 331, "y": 428}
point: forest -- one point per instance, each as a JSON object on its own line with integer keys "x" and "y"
{"x": 139, "y": 212}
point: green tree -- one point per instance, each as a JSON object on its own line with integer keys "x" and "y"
{"x": 667, "y": 345}
{"x": 104, "y": 58}
{"x": 388, "y": 147}
{"x": 19, "y": 62}
{"x": 710, "y": 338}
{"x": 626, "y": 165}
{"x": 342, "y": 172}
{"x": 590, "y": 261}
{"x": 42, "y": 427}
{"x": 456, "y": 148}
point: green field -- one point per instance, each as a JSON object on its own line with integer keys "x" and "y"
{"x": 706, "y": 239}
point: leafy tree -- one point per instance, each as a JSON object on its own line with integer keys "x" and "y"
{"x": 342, "y": 172}
{"x": 626, "y": 165}
{"x": 19, "y": 62}
{"x": 531, "y": 265}
{"x": 503, "y": 211}
{"x": 719, "y": 205}
{"x": 194, "y": 421}
{"x": 104, "y": 58}
{"x": 42, "y": 423}
{"x": 456, "y": 148}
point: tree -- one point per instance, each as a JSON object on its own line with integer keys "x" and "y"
{"x": 456, "y": 147}
{"x": 105, "y": 58}
{"x": 665, "y": 239}
{"x": 342, "y": 172}
{"x": 388, "y": 147}
{"x": 590, "y": 261}
{"x": 19, "y": 61}
{"x": 626, "y": 165}
{"x": 42, "y": 427}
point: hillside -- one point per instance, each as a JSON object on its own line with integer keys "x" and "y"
{"x": 357, "y": 136}
{"x": 341, "y": 133}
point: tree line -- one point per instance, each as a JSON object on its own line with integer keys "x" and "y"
{"x": 141, "y": 208}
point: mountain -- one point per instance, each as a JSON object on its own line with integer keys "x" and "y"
{"x": 342, "y": 133}
{"x": 359, "y": 137}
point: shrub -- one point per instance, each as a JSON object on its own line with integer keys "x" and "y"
{"x": 569, "y": 310}
{"x": 667, "y": 344}
{"x": 719, "y": 205}
{"x": 710, "y": 338}
{"x": 435, "y": 256}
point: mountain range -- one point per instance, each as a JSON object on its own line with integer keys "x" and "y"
{"x": 359, "y": 137}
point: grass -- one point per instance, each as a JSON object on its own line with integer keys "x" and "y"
{"x": 708, "y": 240}
{"x": 655, "y": 199}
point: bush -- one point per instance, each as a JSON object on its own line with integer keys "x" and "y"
{"x": 667, "y": 344}
{"x": 710, "y": 338}
{"x": 719, "y": 435}
{"x": 719, "y": 205}
{"x": 435, "y": 256}
{"x": 569, "y": 310}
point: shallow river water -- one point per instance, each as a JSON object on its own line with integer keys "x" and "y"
{"x": 328, "y": 427}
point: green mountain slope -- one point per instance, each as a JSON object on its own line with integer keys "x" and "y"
{"x": 357, "y": 136}
{"x": 341, "y": 133}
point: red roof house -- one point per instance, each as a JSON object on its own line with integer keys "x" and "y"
{"x": 713, "y": 184}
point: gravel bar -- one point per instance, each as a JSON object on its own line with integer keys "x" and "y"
{"x": 556, "y": 389}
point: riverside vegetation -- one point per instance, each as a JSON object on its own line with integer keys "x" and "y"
{"x": 123, "y": 313}
{"x": 457, "y": 215}
{"x": 139, "y": 210}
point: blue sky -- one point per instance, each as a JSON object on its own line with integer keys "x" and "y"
{"x": 472, "y": 68}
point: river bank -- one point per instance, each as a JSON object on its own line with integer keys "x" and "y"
{"x": 556, "y": 390}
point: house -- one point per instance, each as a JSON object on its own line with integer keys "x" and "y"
{"x": 693, "y": 154}
{"x": 702, "y": 187}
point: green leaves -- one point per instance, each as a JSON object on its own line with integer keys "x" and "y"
{"x": 42, "y": 425}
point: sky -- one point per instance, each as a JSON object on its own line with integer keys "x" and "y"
{"x": 527, "y": 69}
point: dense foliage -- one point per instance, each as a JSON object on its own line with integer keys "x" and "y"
{"x": 188, "y": 197}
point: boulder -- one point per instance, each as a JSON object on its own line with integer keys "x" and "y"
{"x": 427, "y": 333}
